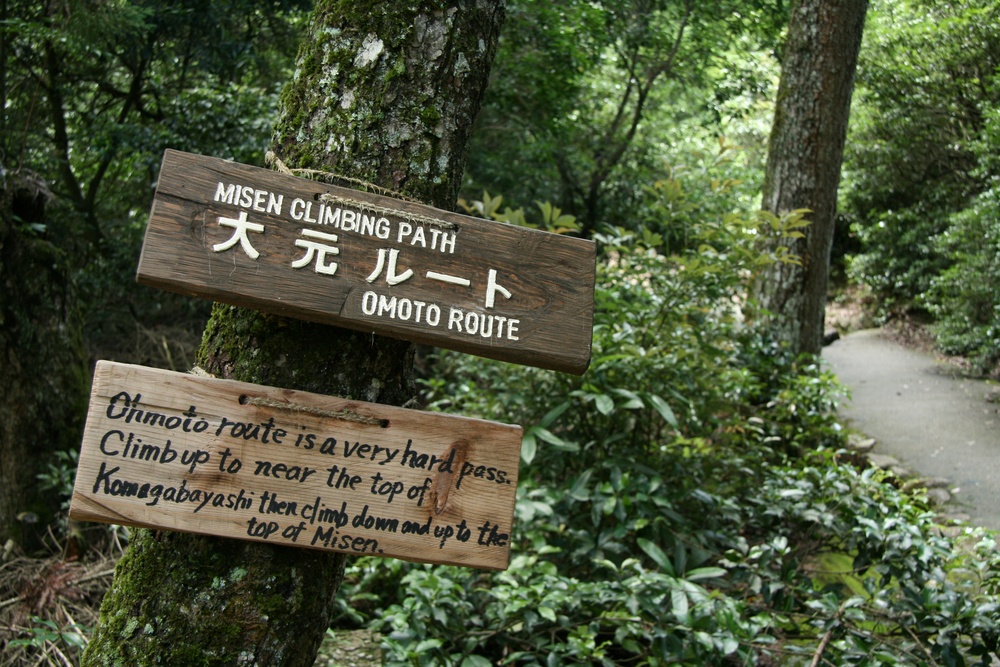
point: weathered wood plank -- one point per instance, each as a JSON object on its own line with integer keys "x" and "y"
{"x": 295, "y": 247}
{"x": 179, "y": 452}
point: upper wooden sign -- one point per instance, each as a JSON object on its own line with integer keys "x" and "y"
{"x": 219, "y": 457}
{"x": 295, "y": 247}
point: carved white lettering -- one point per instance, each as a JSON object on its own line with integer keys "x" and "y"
{"x": 261, "y": 201}
{"x": 399, "y": 308}
{"x": 405, "y": 229}
{"x": 472, "y": 323}
{"x": 225, "y": 194}
{"x": 419, "y": 238}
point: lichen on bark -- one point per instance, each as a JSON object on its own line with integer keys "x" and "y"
{"x": 386, "y": 93}
{"x": 402, "y": 118}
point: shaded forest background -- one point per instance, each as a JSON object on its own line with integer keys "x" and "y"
{"x": 708, "y": 511}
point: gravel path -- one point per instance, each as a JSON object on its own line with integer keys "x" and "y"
{"x": 937, "y": 424}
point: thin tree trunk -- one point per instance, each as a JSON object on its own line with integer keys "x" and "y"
{"x": 804, "y": 158}
{"x": 386, "y": 93}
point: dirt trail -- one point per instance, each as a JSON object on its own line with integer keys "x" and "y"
{"x": 922, "y": 412}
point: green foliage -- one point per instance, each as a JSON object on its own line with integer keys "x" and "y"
{"x": 94, "y": 92}
{"x": 689, "y": 195}
{"x": 552, "y": 217}
{"x": 818, "y": 559}
{"x": 901, "y": 258}
{"x": 906, "y": 594}
{"x": 58, "y": 476}
{"x": 50, "y": 643}
{"x": 534, "y": 615}
{"x": 588, "y": 97}
{"x": 686, "y": 501}
{"x": 964, "y": 298}
{"x": 39, "y": 320}
{"x": 797, "y": 560}
{"x": 920, "y": 147}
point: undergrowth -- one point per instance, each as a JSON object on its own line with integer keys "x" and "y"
{"x": 688, "y": 500}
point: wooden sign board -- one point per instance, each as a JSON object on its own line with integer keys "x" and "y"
{"x": 291, "y": 246}
{"x": 178, "y": 452}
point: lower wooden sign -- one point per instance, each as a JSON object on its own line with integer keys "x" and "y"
{"x": 179, "y": 452}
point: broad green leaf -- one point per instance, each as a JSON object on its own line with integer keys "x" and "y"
{"x": 475, "y": 661}
{"x": 547, "y": 435}
{"x": 633, "y": 401}
{"x": 661, "y": 406}
{"x": 528, "y": 447}
{"x": 554, "y": 414}
{"x": 579, "y": 490}
{"x": 605, "y": 404}
{"x": 654, "y": 551}
{"x": 704, "y": 573}
{"x": 513, "y": 217}
{"x": 679, "y": 604}
{"x": 554, "y": 440}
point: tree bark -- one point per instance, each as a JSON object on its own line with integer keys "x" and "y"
{"x": 804, "y": 158}
{"x": 386, "y": 93}
{"x": 41, "y": 407}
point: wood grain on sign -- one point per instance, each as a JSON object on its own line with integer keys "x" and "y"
{"x": 172, "y": 451}
{"x": 291, "y": 246}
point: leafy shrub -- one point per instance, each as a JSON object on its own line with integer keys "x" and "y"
{"x": 686, "y": 502}
{"x": 900, "y": 258}
{"x": 813, "y": 558}
{"x": 810, "y": 559}
{"x": 965, "y": 298}
{"x": 535, "y": 615}
{"x": 920, "y": 147}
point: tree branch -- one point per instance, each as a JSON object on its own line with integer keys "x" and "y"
{"x": 59, "y": 128}
{"x": 606, "y": 159}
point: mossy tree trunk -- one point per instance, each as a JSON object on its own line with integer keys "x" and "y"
{"x": 386, "y": 93}
{"x": 804, "y": 158}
